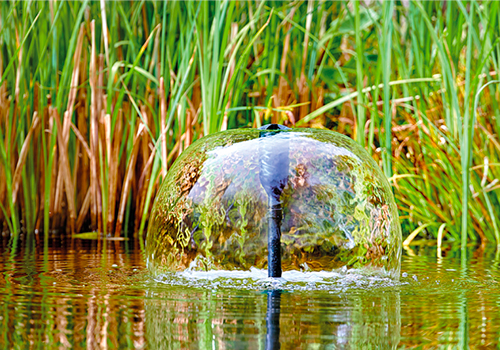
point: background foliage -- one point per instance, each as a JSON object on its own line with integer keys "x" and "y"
{"x": 98, "y": 98}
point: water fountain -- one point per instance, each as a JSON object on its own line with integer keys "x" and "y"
{"x": 276, "y": 198}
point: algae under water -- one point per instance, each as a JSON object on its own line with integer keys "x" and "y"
{"x": 98, "y": 294}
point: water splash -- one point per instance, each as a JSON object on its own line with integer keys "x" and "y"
{"x": 256, "y": 279}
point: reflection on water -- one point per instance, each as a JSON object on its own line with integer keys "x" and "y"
{"x": 249, "y": 320}
{"x": 91, "y": 294}
{"x": 273, "y": 313}
{"x": 68, "y": 296}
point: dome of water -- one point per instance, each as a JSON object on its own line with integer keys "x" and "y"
{"x": 326, "y": 200}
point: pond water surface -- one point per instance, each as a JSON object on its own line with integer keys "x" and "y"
{"x": 92, "y": 294}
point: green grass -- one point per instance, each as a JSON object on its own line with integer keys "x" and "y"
{"x": 95, "y": 106}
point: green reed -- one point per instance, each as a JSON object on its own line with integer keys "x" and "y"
{"x": 97, "y": 99}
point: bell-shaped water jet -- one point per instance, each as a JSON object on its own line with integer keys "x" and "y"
{"x": 285, "y": 199}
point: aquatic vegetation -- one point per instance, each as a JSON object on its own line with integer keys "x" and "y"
{"x": 96, "y": 103}
{"x": 338, "y": 209}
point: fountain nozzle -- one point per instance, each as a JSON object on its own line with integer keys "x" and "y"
{"x": 273, "y": 174}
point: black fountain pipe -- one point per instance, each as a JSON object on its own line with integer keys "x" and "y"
{"x": 273, "y": 174}
{"x": 273, "y": 319}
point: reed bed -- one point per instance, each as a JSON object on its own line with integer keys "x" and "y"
{"x": 97, "y": 99}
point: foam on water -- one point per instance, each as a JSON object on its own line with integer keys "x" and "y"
{"x": 256, "y": 279}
